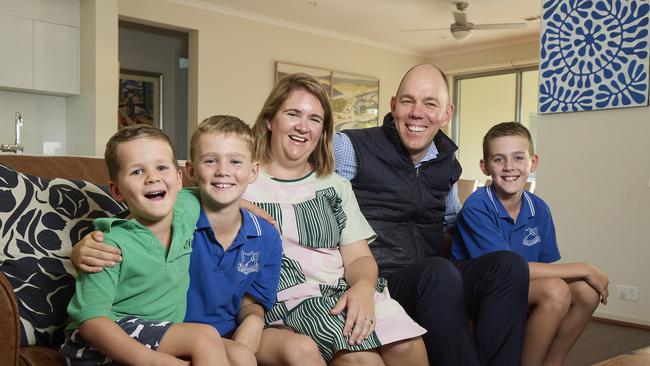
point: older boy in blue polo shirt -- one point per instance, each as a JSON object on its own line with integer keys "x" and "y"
{"x": 503, "y": 216}
{"x": 236, "y": 257}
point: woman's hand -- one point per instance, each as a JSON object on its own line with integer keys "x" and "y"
{"x": 360, "y": 304}
{"x": 92, "y": 255}
{"x": 361, "y": 273}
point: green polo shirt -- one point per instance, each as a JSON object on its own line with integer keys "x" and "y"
{"x": 149, "y": 283}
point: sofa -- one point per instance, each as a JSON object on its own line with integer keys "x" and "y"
{"x": 47, "y": 204}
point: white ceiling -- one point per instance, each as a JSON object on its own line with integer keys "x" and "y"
{"x": 378, "y": 22}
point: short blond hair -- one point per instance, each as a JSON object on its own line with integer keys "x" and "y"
{"x": 322, "y": 159}
{"x": 223, "y": 124}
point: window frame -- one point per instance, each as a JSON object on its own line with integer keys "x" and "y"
{"x": 456, "y": 79}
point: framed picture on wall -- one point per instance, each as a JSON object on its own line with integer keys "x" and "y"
{"x": 354, "y": 98}
{"x": 140, "y": 98}
{"x": 355, "y": 101}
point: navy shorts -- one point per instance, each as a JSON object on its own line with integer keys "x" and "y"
{"x": 77, "y": 352}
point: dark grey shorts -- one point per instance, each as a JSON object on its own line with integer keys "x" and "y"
{"x": 77, "y": 352}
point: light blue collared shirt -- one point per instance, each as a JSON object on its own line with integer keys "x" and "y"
{"x": 346, "y": 166}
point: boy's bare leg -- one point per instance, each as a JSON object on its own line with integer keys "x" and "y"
{"x": 549, "y": 299}
{"x": 584, "y": 300}
{"x": 200, "y": 343}
{"x": 238, "y": 354}
{"x": 282, "y": 346}
{"x": 407, "y": 352}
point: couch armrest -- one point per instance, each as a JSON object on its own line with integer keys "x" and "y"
{"x": 9, "y": 324}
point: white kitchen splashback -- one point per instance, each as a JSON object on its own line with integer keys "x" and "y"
{"x": 44, "y": 122}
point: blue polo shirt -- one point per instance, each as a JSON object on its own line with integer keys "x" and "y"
{"x": 484, "y": 226}
{"x": 219, "y": 279}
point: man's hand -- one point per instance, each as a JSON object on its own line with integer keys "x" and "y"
{"x": 360, "y": 319}
{"x": 92, "y": 255}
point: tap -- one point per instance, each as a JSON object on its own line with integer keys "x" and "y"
{"x": 19, "y": 125}
{"x": 18, "y": 146}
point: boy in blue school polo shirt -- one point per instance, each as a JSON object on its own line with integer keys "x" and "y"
{"x": 503, "y": 216}
{"x": 236, "y": 256}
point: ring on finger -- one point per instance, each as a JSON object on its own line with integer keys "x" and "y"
{"x": 370, "y": 319}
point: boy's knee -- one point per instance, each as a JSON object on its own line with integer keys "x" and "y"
{"x": 240, "y": 355}
{"x": 207, "y": 332}
{"x": 584, "y": 295}
{"x": 205, "y": 336}
{"x": 302, "y": 351}
{"x": 556, "y": 295}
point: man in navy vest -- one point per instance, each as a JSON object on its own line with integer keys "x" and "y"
{"x": 404, "y": 176}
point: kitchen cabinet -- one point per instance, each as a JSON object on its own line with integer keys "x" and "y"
{"x": 56, "y": 58}
{"x": 17, "y": 45}
{"x": 40, "y": 43}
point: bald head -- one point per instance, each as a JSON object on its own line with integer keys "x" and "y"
{"x": 425, "y": 71}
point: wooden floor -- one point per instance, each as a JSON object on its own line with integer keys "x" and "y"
{"x": 602, "y": 341}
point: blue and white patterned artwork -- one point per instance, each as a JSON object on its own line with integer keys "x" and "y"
{"x": 594, "y": 55}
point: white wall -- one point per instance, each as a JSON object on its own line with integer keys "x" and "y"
{"x": 595, "y": 173}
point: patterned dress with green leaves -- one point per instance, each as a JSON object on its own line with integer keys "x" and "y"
{"x": 316, "y": 216}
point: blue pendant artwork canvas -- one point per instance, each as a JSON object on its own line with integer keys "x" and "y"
{"x": 594, "y": 55}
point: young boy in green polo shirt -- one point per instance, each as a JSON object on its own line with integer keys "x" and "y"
{"x": 132, "y": 313}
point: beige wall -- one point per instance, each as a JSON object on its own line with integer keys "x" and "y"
{"x": 92, "y": 115}
{"x": 594, "y": 173}
{"x": 234, "y": 68}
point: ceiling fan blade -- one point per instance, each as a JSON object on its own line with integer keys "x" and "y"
{"x": 460, "y": 18}
{"x": 423, "y": 29}
{"x": 500, "y": 26}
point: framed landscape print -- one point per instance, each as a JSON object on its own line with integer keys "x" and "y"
{"x": 140, "y": 98}
{"x": 355, "y": 101}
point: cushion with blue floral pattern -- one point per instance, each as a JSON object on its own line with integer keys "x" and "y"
{"x": 40, "y": 220}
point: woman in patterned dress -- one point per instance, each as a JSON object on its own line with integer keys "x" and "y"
{"x": 329, "y": 289}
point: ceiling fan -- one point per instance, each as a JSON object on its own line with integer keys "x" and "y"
{"x": 462, "y": 29}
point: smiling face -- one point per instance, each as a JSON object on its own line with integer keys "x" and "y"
{"x": 222, "y": 167}
{"x": 147, "y": 180}
{"x": 296, "y": 130}
{"x": 509, "y": 163}
{"x": 420, "y": 108}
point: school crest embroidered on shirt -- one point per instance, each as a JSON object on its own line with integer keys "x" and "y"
{"x": 248, "y": 262}
{"x": 532, "y": 236}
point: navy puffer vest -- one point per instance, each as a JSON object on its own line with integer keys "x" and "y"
{"x": 404, "y": 205}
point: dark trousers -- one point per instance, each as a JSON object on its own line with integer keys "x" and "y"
{"x": 441, "y": 295}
